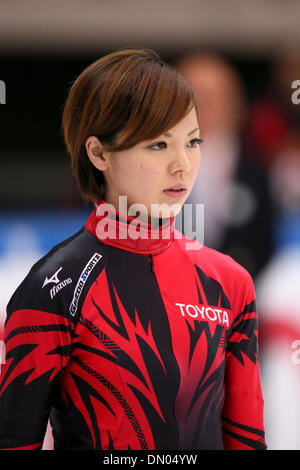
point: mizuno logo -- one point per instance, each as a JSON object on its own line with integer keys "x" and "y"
{"x": 58, "y": 284}
{"x": 58, "y": 287}
{"x": 53, "y": 278}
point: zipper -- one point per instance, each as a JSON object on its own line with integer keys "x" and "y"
{"x": 151, "y": 263}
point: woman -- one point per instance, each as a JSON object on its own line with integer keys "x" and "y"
{"x": 122, "y": 334}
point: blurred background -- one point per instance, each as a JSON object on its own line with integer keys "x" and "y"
{"x": 241, "y": 58}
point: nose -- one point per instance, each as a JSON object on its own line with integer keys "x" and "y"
{"x": 180, "y": 162}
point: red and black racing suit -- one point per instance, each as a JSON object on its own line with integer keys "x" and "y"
{"x": 132, "y": 344}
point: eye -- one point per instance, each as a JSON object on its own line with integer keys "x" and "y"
{"x": 161, "y": 145}
{"x": 195, "y": 142}
{"x": 158, "y": 145}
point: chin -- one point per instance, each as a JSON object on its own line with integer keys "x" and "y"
{"x": 166, "y": 211}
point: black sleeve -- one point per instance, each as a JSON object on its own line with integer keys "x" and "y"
{"x": 39, "y": 327}
{"x": 37, "y": 347}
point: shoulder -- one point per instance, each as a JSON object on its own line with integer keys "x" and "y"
{"x": 211, "y": 259}
{"x": 234, "y": 279}
{"x": 57, "y": 281}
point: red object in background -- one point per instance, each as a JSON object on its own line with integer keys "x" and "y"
{"x": 268, "y": 127}
{"x": 272, "y": 330}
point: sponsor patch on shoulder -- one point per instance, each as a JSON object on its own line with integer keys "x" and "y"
{"x": 82, "y": 280}
{"x": 58, "y": 284}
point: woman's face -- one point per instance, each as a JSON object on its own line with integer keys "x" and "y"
{"x": 147, "y": 170}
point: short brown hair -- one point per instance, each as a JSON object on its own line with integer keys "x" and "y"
{"x": 130, "y": 90}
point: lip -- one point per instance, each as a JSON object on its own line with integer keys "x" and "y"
{"x": 176, "y": 194}
{"x": 176, "y": 186}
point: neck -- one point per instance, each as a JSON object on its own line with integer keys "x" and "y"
{"x": 125, "y": 232}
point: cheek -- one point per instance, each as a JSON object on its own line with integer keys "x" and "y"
{"x": 152, "y": 172}
{"x": 148, "y": 173}
{"x": 196, "y": 163}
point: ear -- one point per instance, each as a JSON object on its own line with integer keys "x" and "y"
{"x": 96, "y": 153}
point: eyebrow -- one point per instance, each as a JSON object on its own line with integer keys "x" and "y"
{"x": 168, "y": 134}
